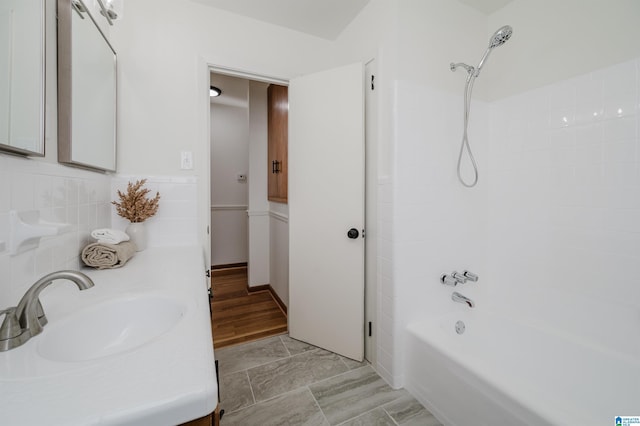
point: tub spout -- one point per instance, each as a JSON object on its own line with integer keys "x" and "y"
{"x": 457, "y": 297}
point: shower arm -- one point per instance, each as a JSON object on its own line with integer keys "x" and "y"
{"x": 469, "y": 68}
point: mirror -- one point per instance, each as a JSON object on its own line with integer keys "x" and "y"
{"x": 22, "y": 76}
{"x": 86, "y": 90}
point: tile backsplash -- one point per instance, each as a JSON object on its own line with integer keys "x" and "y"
{"x": 81, "y": 199}
{"x": 175, "y": 223}
{"x": 60, "y": 194}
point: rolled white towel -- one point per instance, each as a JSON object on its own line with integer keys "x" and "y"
{"x": 109, "y": 236}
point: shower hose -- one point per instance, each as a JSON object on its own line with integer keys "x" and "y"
{"x": 468, "y": 88}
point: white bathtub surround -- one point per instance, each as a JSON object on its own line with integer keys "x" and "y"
{"x": 175, "y": 223}
{"x": 60, "y": 195}
{"x": 559, "y": 207}
{"x": 503, "y": 372}
{"x": 168, "y": 380}
{"x": 386, "y": 299}
{"x": 564, "y": 194}
{"x": 438, "y": 225}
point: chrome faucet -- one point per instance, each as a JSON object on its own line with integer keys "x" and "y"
{"x": 457, "y": 297}
{"x": 456, "y": 278}
{"x": 27, "y": 319}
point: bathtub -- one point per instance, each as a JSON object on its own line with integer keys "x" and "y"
{"x": 499, "y": 372}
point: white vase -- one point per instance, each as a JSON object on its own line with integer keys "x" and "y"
{"x": 137, "y": 233}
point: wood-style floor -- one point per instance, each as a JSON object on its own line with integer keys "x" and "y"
{"x": 240, "y": 316}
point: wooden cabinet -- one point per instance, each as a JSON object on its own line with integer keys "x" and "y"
{"x": 278, "y": 124}
{"x": 202, "y": 421}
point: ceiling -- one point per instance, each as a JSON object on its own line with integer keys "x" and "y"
{"x": 321, "y": 18}
{"x": 486, "y": 6}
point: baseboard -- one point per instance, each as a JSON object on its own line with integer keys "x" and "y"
{"x": 229, "y": 265}
{"x": 228, "y": 269}
{"x": 267, "y": 287}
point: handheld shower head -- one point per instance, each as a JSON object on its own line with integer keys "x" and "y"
{"x": 498, "y": 38}
{"x": 501, "y": 36}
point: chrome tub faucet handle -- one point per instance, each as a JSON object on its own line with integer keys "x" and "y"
{"x": 461, "y": 278}
{"x": 470, "y": 276}
{"x": 448, "y": 280}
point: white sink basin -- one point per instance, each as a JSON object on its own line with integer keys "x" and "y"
{"x": 108, "y": 328}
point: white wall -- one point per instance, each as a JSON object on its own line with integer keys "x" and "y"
{"x": 165, "y": 48}
{"x": 279, "y": 250}
{"x": 229, "y": 196}
{"x": 258, "y": 170}
{"x": 555, "y": 40}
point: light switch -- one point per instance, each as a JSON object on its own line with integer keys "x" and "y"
{"x": 186, "y": 160}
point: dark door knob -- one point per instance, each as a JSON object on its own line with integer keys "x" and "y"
{"x": 353, "y": 233}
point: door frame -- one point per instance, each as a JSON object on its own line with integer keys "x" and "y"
{"x": 371, "y": 284}
{"x": 372, "y": 305}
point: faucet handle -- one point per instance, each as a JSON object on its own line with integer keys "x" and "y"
{"x": 10, "y": 326}
{"x": 448, "y": 280}
{"x": 470, "y": 276}
{"x": 42, "y": 318}
{"x": 461, "y": 278}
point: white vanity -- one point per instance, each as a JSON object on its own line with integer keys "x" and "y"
{"x": 134, "y": 349}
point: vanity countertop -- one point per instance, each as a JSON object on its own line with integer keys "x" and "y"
{"x": 168, "y": 380}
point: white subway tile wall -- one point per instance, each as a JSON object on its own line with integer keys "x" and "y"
{"x": 385, "y": 290}
{"x": 553, "y": 227}
{"x": 564, "y": 206}
{"x": 60, "y": 194}
{"x": 175, "y": 223}
{"x": 438, "y": 225}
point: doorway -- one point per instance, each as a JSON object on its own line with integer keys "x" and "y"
{"x": 279, "y": 214}
{"x": 249, "y": 234}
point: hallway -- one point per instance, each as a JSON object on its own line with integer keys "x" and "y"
{"x": 239, "y": 315}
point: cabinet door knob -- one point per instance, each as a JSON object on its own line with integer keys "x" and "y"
{"x": 353, "y": 233}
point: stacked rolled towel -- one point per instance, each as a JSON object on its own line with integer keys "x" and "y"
{"x": 109, "y": 236}
{"x": 112, "y": 250}
{"x": 107, "y": 256}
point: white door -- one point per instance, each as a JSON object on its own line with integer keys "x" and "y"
{"x": 326, "y": 201}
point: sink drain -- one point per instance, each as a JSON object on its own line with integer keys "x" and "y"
{"x": 460, "y": 327}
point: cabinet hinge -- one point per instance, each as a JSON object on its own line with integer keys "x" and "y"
{"x": 370, "y": 329}
{"x": 373, "y": 77}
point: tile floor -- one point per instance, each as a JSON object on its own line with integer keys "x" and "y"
{"x": 281, "y": 381}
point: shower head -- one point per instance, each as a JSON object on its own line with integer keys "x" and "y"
{"x": 498, "y": 38}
